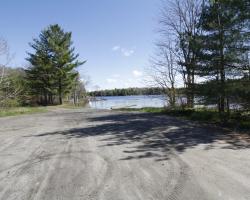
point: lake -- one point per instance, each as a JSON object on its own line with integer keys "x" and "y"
{"x": 139, "y": 101}
{"x": 112, "y": 102}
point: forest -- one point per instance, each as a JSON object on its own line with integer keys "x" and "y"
{"x": 50, "y": 77}
{"x": 204, "y": 46}
{"x": 128, "y": 92}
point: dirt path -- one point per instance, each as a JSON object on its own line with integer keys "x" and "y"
{"x": 89, "y": 154}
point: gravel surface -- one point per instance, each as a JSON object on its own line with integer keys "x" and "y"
{"x": 109, "y": 155}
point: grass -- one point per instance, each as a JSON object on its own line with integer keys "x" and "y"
{"x": 146, "y": 109}
{"x": 237, "y": 120}
{"x": 69, "y": 105}
{"x": 13, "y": 111}
{"x": 66, "y": 106}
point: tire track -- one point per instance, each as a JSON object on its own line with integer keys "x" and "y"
{"x": 179, "y": 172}
{"x": 55, "y": 160}
{"x": 15, "y": 171}
{"x": 185, "y": 186}
{"x": 95, "y": 193}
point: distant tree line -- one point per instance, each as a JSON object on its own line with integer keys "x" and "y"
{"x": 204, "y": 45}
{"x": 128, "y": 92}
{"x": 51, "y": 75}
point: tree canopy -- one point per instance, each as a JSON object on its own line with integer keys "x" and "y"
{"x": 53, "y": 65}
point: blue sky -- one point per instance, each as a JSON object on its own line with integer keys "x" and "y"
{"x": 116, "y": 37}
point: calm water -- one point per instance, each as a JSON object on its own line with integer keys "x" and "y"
{"x": 128, "y": 102}
{"x": 142, "y": 101}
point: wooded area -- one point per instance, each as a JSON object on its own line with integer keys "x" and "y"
{"x": 51, "y": 75}
{"x": 204, "y": 46}
{"x": 128, "y": 91}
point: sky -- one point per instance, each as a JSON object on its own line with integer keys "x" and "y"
{"x": 116, "y": 37}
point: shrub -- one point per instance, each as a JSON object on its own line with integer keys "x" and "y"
{"x": 202, "y": 115}
{"x": 8, "y": 103}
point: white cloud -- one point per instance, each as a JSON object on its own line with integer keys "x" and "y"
{"x": 127, "y": 52}
{"x": 116, "y": 48}
{"x": 111, "y": 80}
{"x": 137, "y": 73}
{"x": 124, "y": 51}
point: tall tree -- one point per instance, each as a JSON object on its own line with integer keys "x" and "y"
{"x": 179, "y": 23}
{"x": 224, "y": 43}
{"x": 41, "y": 73}
{"x": 163, "y": 71}
{"x": 53, "y": 64}
{"x": 63, "y": 58}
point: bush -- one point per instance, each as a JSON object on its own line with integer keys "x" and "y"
{"x": 202, "y": 115}
{"x": 244, "y": 125}
{"x": 179, "y": 112}
{"x": 8, "y": 103}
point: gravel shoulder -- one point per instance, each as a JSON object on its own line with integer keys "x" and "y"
{"x": 110, "y": 155}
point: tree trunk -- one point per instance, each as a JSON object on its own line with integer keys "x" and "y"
{"x": 174, "y": 95}
{"x": 192, "y": 88}
{"x": 222, "y": 96}
{"x": 228, "y": 107}
{"x": 45, "y": 99}
{"x": 50, "y": 99}
{"x": 74, "y": 98}
{"x": 222, "y": 70}
{"x": 60, "y": 91}
{"x": 190, "y": 96}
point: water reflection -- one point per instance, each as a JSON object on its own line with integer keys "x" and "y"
{"x": 113, "y": 102}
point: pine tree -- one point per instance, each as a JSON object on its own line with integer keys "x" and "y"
{"x": 224, "y": 43}
{"x": 53, "y": 64}
{"x": 41, "y": 74}
{"x": 63, "y": 59}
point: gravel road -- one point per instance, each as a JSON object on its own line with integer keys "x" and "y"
{"x": 109, "y": 155}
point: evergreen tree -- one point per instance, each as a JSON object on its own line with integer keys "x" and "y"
{"x": 223, "y": 45}
{"x": 63, "y": 59}
{"x": 52, "y": 71}
{"x": 41, "y": 74}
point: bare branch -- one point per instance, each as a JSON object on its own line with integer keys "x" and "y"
{"x": 164, "y": 69}
{"x": 179, "y": 24}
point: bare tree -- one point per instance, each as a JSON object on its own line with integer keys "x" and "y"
{"x": 78, "y": 93}
{"x": 6, "y": 90}
{"x": 3, "y": 52}
{"x": 163, "y": 71}
{"x": 179, "y": 22}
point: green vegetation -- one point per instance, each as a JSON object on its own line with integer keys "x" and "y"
{"x": 237, "y": 120}
{"x": 4, "y": 112}
{"x": 50, "y": 79}
{"x": 13, "y": 110}
{"x": 52, "y": 72}
{"x": 207, "y": 41}
{"x": 66, "y": 104}
{"x": 223, "y": 49}
{"x": 12, "y": 87}
{"x": 128, "y": 91}
{"x": 201, "y": 40}
{"x": 145, "y": 109}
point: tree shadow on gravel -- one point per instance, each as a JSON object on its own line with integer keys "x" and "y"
{"x": 151, "y": 135}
